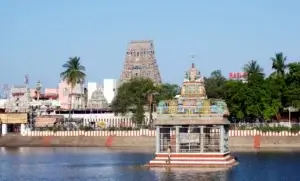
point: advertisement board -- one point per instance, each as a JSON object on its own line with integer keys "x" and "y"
{"x": 237, "y": 75}
{"x": 13, "y": 118}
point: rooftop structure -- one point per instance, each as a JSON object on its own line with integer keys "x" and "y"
{"x": 97, "y": 100}
{"x": 192, "y": 131}
{"x": 140, "y": 61}
{"x": 19, "y": 99}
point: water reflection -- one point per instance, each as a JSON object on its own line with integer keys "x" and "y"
{"x": 81, "y": 164}
{"x": 190, "y": 174}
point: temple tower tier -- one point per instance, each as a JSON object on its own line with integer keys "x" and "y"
{"x": 140, "y": 61}
{"x": 192, "y": 131}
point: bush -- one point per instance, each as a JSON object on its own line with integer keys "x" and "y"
{"x": 85, "y": 128}
{"x": 120, "y": 128}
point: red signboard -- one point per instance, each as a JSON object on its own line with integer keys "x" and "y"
{"x": 237, "y": 75}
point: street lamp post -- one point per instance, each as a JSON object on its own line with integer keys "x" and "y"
{"x": 289, "y": 110}
{"x": 290, "y": 116}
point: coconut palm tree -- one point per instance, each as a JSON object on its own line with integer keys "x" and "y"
{"x": 279, "y": 64}
{"x": 253, "y": 68}
{"x": 73, "y": 74}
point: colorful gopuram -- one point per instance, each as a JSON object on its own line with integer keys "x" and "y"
{"x": 192, "y": 130}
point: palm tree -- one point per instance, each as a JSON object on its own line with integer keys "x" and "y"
{"x": 279, "y": 64}
{"x": 73, "y": 74}
{"x": 150, "y": 98}
{"x": 253, "y": 68}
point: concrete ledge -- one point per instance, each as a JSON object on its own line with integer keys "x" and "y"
{"x": 142, "y": 142}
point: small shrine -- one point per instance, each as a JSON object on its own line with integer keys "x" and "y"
{"x": 97, "y": 100}
{"x": 192, "y": 131}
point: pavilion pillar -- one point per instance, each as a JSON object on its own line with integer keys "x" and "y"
{"x": 202, "y": 136}
{"x": 222, "y": 136}
{"x": 177, "y": 139}
{"x": 4, "y": 129}
{"x": 158, "y": 145}
{"x": 225, "y": 136}
{"x": 23, "y": 129}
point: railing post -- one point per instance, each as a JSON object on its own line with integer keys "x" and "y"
{"x": 157, "y": 139}
{"x": 202, "y": 135}
{"x": 222, "y": 135}
{"x": 177, "y": 139}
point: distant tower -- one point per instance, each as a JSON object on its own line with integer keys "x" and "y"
{"x": 140, "y": 61}
{"x": 38, "y": 90}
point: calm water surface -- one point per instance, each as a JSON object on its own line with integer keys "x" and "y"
{"x": 89, "y": 164}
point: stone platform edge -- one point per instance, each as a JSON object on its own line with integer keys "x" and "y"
{"x": 142, "y": 142}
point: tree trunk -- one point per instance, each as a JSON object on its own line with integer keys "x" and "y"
{"x": 150, "y": 100}
{"x": 70, "y": 104}
{"x": 150, "y": 114}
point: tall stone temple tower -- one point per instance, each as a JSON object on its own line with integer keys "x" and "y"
{"x": 140, "y": 61}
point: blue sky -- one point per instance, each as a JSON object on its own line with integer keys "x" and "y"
{"x": 37, "y": 37}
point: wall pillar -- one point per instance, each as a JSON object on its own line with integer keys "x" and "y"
{"x": 158, "y": 145}
{"x": 4, "y": 129}
{"x": 177, "y": 139}
{"x": 202, "y": 136}
{"x": 23, "y": 129}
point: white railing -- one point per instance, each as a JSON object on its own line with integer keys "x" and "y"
{"x": 146, "y": 132}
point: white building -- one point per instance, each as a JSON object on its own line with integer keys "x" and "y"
{"x": 110, "y": 87}
{"x": 92, "y": 86}
{"x": 3, "y": 103}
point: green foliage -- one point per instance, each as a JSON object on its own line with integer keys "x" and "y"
{"x": 74, "y": 71}
{"x": 167, "y": 91}
{"x": 121, "y": 128}
{"x": 85, "y": 128}
{"x": 214, "y": 83}
{"x": 292, "y": 91}
{"x": 268, "y": 128}
{"x": 259, "y": 97}
{"x": 253, "y": 69}
{"x": 139, "y": 94}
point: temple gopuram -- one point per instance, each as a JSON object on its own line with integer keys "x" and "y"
{"x": 192, "y": 130}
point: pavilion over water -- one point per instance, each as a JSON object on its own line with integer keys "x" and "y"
{"x": 192, "y": 130}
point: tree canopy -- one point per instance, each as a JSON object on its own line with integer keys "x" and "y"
{"x": 260, "y": 96}
{"x": 140, "y": 94}
{"x": 257, "y": 97}
{"x": 74, "y": 71}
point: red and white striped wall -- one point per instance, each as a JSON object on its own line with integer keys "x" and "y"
{"x": 143, "y": 132}
{"x": 260, "y": 133}
{"x": 146, "y": 132}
